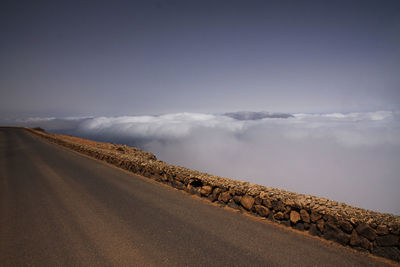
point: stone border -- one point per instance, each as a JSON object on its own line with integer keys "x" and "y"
{"x": 364, "y": 230}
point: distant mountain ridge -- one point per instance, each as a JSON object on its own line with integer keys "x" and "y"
{"x": 253, "y": 115}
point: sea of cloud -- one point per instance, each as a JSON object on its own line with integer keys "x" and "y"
{"x": 351, "y": 157}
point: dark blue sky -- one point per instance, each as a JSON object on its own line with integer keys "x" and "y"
{"x": 129, "y": 57}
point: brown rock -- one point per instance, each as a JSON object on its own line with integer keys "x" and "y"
{"x": 313, "y": 230}
{"x": 178, "y": 185}
{"x": 346, "y": 226}
{"x": 289, "y": 202}
{"x": 277, "y": 205}
{"x": 261, "y": 210}
{"x": 364, "y": 243}
{"x": 279, "y": 215}
{"x": 395, "y": 229}
{"x": 299, "y": 203}
{"x": 247, "y": 202}
{"x": 387, "y": 240}
{"x": 358, "y": 241}
{"x": 258, "y": 201}
{"x": 225, "y": 196}
{"x": 217, "y": 190}
{"x": 305, "y": 216}
{"x": 294, "y": 216}
{"x": 232, "y": 204}
{"x": 267, "y": 203}
{"x": 215, "y": 194}
{"x": 237, "y": 199}
{"x": 331, "y": 232}
{"x": 382, "y": 230}
{"x": 321, "y": 225}
{"x": 354, "y": 239}
{"x": 366, "y": 231}
{"x": 193, "y": 190}
{"x": 287, "y": 215}
{"x": 315, "y": 216}
{"x": 206, "y": 190}
{"x": 263, "y": 195}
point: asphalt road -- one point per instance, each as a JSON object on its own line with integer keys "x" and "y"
{"x": 58, "y": 208}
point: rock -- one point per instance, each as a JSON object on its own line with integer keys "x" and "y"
{"x": 261, "y": 210}
{"x": 299, "y": 203}
{"x": 395, "y": 229}
{"x": 387, "y": 240}
{"x": 267, "y": 203}
{"x": 277, "y": 205}
{"x": 366, "y": 231}
{"x": 258, "y": 201}
{"x": 233, "y": 205}
{"x": 364, "y": 243}
{"x": 313, "y": 230}
{"x": 180, "y": 178}
{"x": 206, "y": 190}
{"x": 294, "y": 216}
{"x": 286, "y": 215}
{"x": 371, "y": 222}
{"x": 195, "y": 191}
{"x": 178, "y": 185}
{"x": 346, "y": 226}
{"x": 305, "y": 216}
{"x": 225, "y": 197}
{"x": 321, "y": 225}
{"x": 263, "y": 195}
{"x": 307, "y": 226}
{"x": 289, "y": 202}
{"x": 387, "y": 252}
{"x": 247, "y": 202}
{"x": 358, "y": 241}
{"x": 331, "y": 232}
{"x": 237, "y": 199}
{"x": 315, "y": 216}
{"x": 285, "y": 223}
{"x": 211, "y": 197}
{"x": 271, "y": 217}
{"x": 279, "y": 215}
{"x": 354, "y": 239}
{"x": 382, "y": 230}
{"x": 215, "y": 194}
{"x": 331, "y": 219}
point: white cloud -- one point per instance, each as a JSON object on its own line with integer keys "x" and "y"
{"x": 169, "y": 126}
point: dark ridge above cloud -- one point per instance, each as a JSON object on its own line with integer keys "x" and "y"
{"x": 252, "y": 115}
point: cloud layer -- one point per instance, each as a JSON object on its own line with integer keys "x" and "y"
{"x": 347, "y": 157}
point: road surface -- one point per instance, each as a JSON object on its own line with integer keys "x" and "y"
{"x": 61, "y": 208}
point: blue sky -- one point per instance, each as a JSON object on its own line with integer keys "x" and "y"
{"x": 66, "y": 58}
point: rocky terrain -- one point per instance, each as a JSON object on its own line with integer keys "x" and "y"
{"x": 364, "y": 230}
